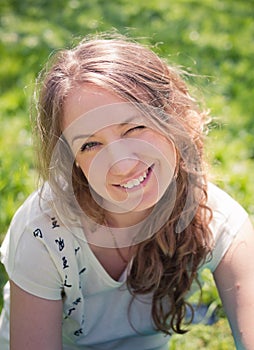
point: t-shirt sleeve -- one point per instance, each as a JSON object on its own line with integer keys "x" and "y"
{"x": 29, "y": 263}
{"x": 228, "y": 218}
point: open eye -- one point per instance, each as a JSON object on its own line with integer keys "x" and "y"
{"x": 135, "y": 128}
{"x": 89, "y": 146}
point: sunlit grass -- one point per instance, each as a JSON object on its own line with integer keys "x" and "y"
{"x": 202, "y": 337}
{"x": 17, "y": 172}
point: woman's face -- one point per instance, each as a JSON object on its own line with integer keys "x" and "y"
{"x": 128, "y": 164}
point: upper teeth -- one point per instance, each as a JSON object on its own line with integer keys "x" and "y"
{"x": 135, "y": 182}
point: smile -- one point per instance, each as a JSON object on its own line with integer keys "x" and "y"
{"x": 136, "y": 182}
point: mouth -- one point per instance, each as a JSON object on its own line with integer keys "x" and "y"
{"x": 141, "y": 180}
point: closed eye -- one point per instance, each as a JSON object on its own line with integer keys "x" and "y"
{"x": 136, "y": 128}
{"x": 89, "y": 146}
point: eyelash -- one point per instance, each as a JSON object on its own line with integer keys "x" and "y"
{"x": 135, "y": 128}
{"x": 89, "y": 146}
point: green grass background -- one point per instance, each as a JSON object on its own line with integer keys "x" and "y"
{"x": 210, "y": 38}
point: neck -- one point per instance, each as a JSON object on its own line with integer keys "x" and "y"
{"x": 124, "y": 220}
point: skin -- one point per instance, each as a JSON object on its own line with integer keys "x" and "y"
{"x": 233, "y": 276}
{"x": 43, "y": 317}
{"x": 117, "y": 147}
{"x": 235, "y": 282}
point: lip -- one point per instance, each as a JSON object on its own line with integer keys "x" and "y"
{"x": 148, "y": 171}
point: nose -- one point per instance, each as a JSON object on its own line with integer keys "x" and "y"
{"x": 122, "y": 158}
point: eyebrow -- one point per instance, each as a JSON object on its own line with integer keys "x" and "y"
{"x": 80, "y": 136}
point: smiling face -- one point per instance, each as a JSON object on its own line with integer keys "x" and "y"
{"x": 127, "y": 163}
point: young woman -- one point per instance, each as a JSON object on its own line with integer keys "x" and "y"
{"x": 105, "y": 254}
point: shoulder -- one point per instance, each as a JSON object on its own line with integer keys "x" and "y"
{"x": 220, "y": 201}
{"x": 35, "y": 228}
{"x": 225, "y": 209}
{"x": 23, "y": 220}
{"x": 40, "y": 213}
{"x": 36, "y": 207}
{"x": 38, "y": 238}
{"x": 228, "y": 218}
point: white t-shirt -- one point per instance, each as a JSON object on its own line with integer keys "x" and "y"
{"x": 45, "y": 257}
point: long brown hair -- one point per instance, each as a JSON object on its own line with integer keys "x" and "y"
{"x": 165, "y": 264}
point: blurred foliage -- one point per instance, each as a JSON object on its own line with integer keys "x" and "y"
{"x": 202, "y": 337}
{"x": 213, "y": 39}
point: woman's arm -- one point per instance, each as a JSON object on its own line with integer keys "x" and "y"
{"x": 35, "y": 323}
{"x": 235, "y": 281}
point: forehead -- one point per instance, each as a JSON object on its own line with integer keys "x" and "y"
{"x": 90, "y": 109}
{"x": 86, "y": 98}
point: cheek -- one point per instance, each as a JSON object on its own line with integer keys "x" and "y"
{"x": 94, "y": 172}
{"x": 171, "y": 155}
{"x": 84, "y": 165}
{"x": 166, "y": 150}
